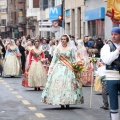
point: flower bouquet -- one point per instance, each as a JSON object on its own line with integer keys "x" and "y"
{"x": 78, "y": 67}
{"x": 93, "y": 60}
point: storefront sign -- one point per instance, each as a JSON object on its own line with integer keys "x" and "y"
{"x": 16, "y": 31}
{"x": 54, "y": 12}
{"x": 98, "y": 13}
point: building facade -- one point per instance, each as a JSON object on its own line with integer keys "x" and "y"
{"x": 74, "y": 18}
{"x": 16, "y": 22}
{"x": 32, "y": 9}
{"x": 97, "y": 24}
{"x": 3, "y": 19}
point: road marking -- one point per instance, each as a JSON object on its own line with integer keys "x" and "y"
{"x": 39, "y": 115}
{"x": 4, "y": 83}
{"x": 19, "y": 96}
{"x": 25, "y": 102}
{"x": 32, "y": 108}
{"x": 15, "y": 92}
{"x": 7, "y": 86}
{"x": 11, "y": 89}
{"x": 1, "y": 80}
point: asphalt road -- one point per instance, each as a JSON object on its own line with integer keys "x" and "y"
{"x": 19, "y": 103}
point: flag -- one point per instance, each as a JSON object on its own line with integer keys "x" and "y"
{"x": 113, "y": 10}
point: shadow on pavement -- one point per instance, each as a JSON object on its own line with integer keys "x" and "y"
{"x": 71, "y": 108}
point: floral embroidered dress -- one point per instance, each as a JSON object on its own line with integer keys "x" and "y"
{"x": 59, "y": 89}
{"x": 37, "y": 74}
{"x": 11, "y": 64}
{"x": 86, "y": 75}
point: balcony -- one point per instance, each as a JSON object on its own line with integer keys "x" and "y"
{"x": 21, "y": 1}
{"x": 9, "y": 24}
{"x": 32, "y": 12}
{"x": 22, "y": 20}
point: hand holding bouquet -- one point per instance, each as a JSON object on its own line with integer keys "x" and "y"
{"x": 78, "y": 66}
{"x": 99, "y": 64}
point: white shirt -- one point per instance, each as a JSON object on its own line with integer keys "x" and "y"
{"x": 51, "y": 50}
{"x": 108, "y": 57}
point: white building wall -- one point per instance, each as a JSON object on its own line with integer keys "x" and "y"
{"x": 58, "y": 2}
{"x": 33, "y": 12}
{"x": 30, "y": 4}
{"x": 74, "y": 22}
{"x": 92, "y": 4}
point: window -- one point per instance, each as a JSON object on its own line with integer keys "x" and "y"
{"x": 3, "y": 22}
{"x": 67, "y": 13}
{"x": 45, "y": 4}
{"x": 53, "y": 3}
{"x": 9, "y": 1}
{"x": 96, "y": 28}
{"x": 2, "y": 10}
{"x": 35, "y": 3}
{"x": 14, "y": 3}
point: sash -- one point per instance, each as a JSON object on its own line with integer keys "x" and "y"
{"x": 66, "y": 62}
{"x": 35, "y": 58}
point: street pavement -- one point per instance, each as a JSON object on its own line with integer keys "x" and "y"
{"x": 19, "y": 103}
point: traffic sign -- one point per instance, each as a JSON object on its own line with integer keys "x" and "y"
{"x": 55, "y": 23}
{"x": 45, "y": 29}
{"x": 45, "y": 23}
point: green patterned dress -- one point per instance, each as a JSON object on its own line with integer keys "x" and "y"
{"x": 59, "y": 89}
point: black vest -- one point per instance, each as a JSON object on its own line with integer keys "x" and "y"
{"x": 115, "y": 65}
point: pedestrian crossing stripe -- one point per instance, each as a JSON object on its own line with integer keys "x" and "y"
{"x": 11, "y": 89}
{"x": 19, "y": 96}
{"x": 4, "y": 83}
{"x": 32, "y": 108}
{"x": 25, "y": 102}
{"x": 15, "y": 92}
{"x": 39, "y": 115}
{"x": 7, "y": 86}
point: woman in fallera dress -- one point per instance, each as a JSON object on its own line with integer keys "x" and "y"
{"x": 37, "y": 74}
{"x": 83, "y": 55}
{"x": 62, "y": 88}
{"x": 12, "y": 64}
